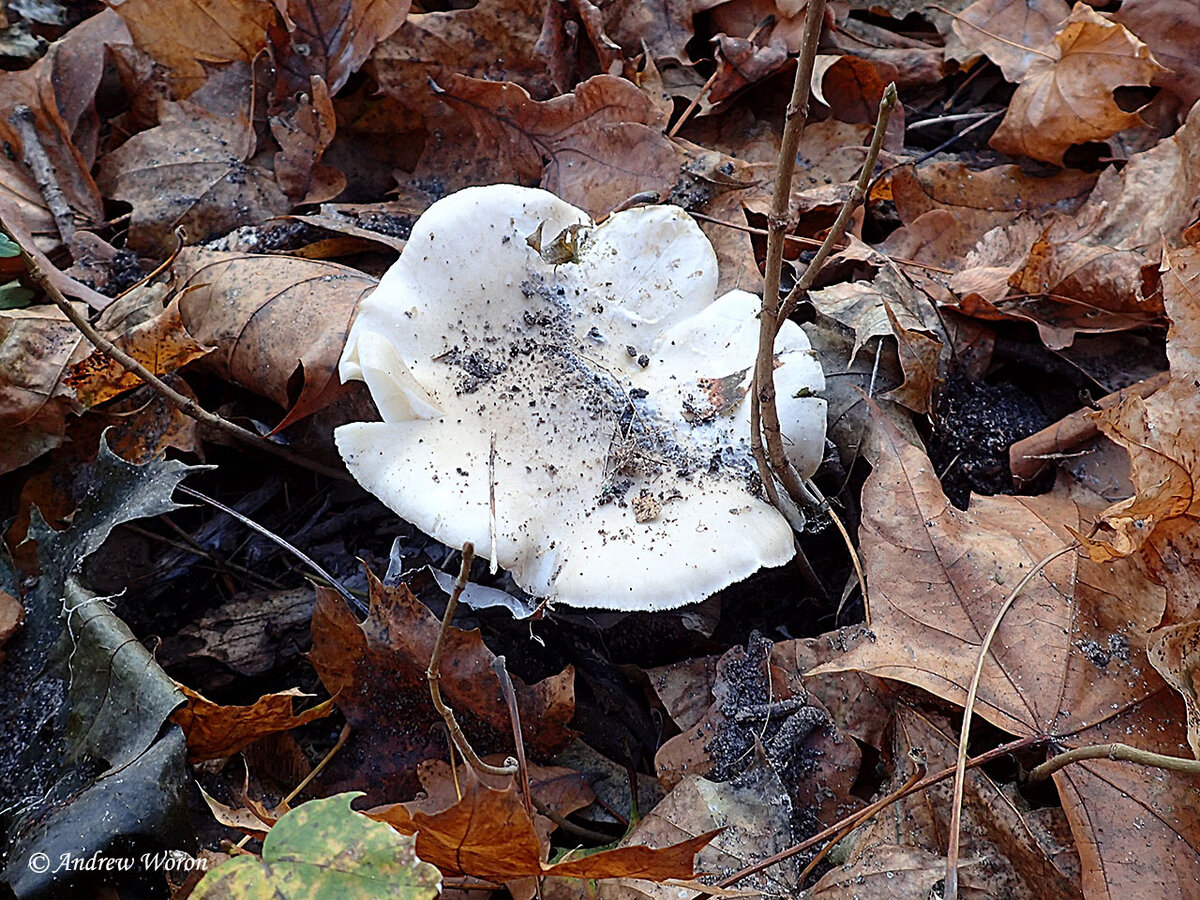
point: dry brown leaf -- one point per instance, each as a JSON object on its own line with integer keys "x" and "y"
{"x": 161, "y": 344}
{"x": 36, "y": 347}
{"x": 493, "y": 40}
{"x": 278, "y": 323}
{"x": 193, "y": 171}
{"x": 1158, "y": 432}
{"x": 921, "y": 354}
{"x": 1175, "y": 652}
{"x": 60, "y": 90}
{"x": 183, "y": 34}
{"x": 303, "y": 132}
{"x": 377, "y": 672}
{"x": 1008, "y": 857}
{"x": 885, "y": 871}
{"x": 937, "y": 576}
{"x": 488, "y": 833}
{"x": 982, "y": 200}
{"x": 1137, "y": 828}
{"x": 595, "y": 147}
{"x": 330, "y": 39}
{"x": 214, "y": 731}
{"x": 12, "y": 617}
{"x": 1172, "y": 32}
{"x": 1014, "y": 34}
{"x": 1068, "y": 99}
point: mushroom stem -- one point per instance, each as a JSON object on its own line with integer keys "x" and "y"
{"x": 433, "y": 673}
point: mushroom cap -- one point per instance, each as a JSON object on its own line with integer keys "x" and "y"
{"x": 599, "y": 402}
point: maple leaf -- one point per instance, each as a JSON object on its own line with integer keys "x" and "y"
{"x": 1067, "y": 98}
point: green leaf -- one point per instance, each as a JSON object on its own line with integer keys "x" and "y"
{"x": 14, "y": 296}
{"x": 8, "y": 247}
{"x": 326, "y": 849}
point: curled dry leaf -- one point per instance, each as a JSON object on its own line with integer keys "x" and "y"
{"x": 60, "y": 91}
{"x": 214, "y": 731}
{"x": 1175, "y": 653}
{"x": 1161, "y": 518}
{"x": 161, "y": 344}
{"x": 278, "y": 323}
{"x": 193, "y": 171}
{"x": 36, "y": 347}
{"x": 1068, "y": 98}
{"x": 489, "y": 834}
{"x": 183, "y": 34}
{"x": 376, "y": 671}
{"x": 303, "y": 133}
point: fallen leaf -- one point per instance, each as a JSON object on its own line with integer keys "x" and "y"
{"x": 1068, "y": 99}
{"x": 330, "y": 40}
{"x": 376, "y": 671}
{"x": 595, "y": 147}
{"x": 325, "y": 847}
{"x": 161, "y": 344}
{"x": 194, "y": 171}
{"x": 12, "y": 617}
{"x": 1160, "y": 519}
{"x": 884, "y": 871}
{"x": 492, "y": 40}
{"x": 214, "y": 731}
{"x": 36, "y": 347}
{"x": 303, "y": 130}
{"x": 1001, "y": 851}
{"x": 937, "y": 575}
{"x": 278, "y": 323}
{"x": 1137, "y": 828}
{"x": 1172, "y": 32}
{"x": 184, "y": 34}
{"x": 1013, "y": 35}
{"x": 1175, "y": 654}
{"x": 981, "y": 200}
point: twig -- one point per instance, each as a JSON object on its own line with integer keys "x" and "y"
{"x": 308, "y": 779}
{"x": 813, "y": 242}
{"x": 960, "y": 769}
{"x": 857, "y": 193}
{"x": 1116, "y": 752}
{"x": 687, "y": 113}
{"x": 918, "y": 773}
{"x": 184, "y": 404}
{"x": 762, "y": 393}
{"x": 1027, "y": 457}
{"x": 434, "y": 674}
{"x": 874, "y": 809}
{"x": 24, "y": 121}
{"x": 514, "y": 715}
{"x": 356, "y": 603}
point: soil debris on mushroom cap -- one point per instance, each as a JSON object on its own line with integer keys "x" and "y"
{"x": 610, "y": 382}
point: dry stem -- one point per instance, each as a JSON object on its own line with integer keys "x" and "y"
{"x": 434, "y": 674}
{"x": 1116, "y": 752}
{"x": 24, "y": 121}
{"x": 766, "y": 435}
{"x": 960, "y": 769}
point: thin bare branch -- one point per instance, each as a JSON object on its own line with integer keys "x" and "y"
{"x": 1122, "y": 752}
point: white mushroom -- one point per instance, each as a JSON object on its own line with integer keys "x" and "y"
{"x": 596, "y": 398}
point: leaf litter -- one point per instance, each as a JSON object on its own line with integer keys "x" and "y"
{"x": 1026, "y": 248}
